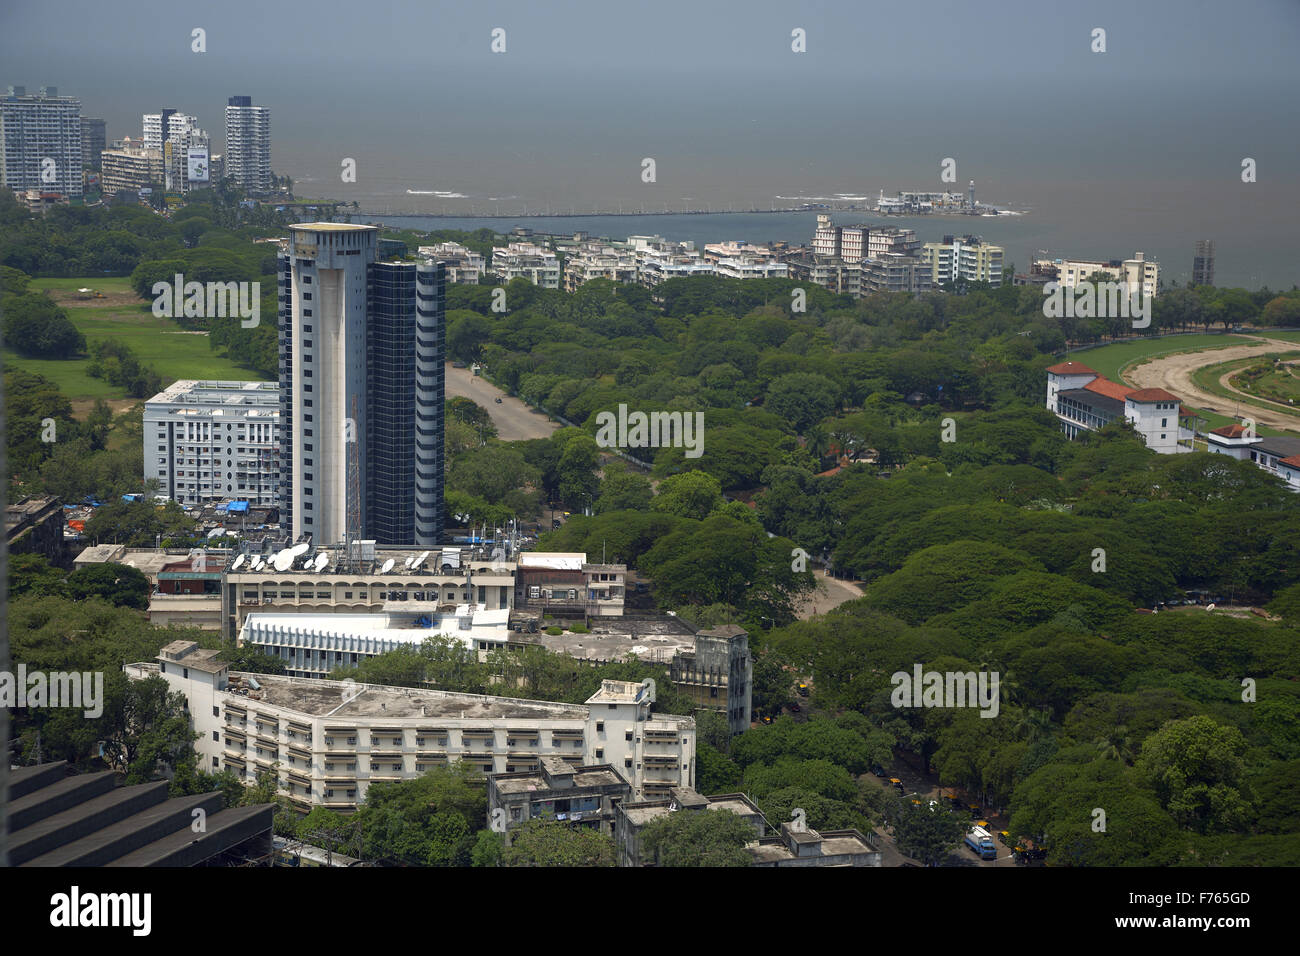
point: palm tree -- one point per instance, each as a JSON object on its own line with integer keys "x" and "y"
{"x": 1116, "y": 745}
{"x": 1034, "y": 725}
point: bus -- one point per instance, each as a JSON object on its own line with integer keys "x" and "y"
{"x": 979, "y": 840}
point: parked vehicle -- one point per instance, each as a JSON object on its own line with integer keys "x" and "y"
{"x": 978, "y": 839}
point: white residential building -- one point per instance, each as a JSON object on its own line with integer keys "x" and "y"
{"x": 40, "y": 141}
{"x": 463, "y": 265}
{"x": 183, "y": 133}
{"x": 608, "y": 263}
{"x": 208, "y": 441}
{"x": 130, "y": 167}
{"x": 328, "y": 741}
{"x": 748, "y": 266}
{"x": 1139, "y": 274}
{"x": 525, "y": 260}
{"x": 963, "y": 259}
{"x": 248, "y": 144}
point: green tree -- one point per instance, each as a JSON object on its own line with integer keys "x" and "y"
{"x": 116, "y": 583}
{"x": 1197, "y": 770}
{"x": 697, "y": 838}
{"x": 692, "y": 494}
{"x": 924, "y": 833}
{"x": 540, "y": 843}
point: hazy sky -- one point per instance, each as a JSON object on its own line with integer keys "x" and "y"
{"x": 1156, "y": 126}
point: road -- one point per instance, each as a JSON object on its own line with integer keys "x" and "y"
{"x": 1174, "y": 373}
{"x": 514, "y": 420}
{"x": 830, "y": 593}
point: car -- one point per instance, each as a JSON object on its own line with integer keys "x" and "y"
{"x": 498, "y": 401}
{"x": 897, "y": 784}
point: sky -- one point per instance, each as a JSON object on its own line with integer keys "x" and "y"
{"x": 1154, "y": 129}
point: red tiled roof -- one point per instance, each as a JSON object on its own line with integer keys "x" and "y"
{"x": 1185, "y": 412}
{"x": 1293, "y": 461}
{"x": 1070, "y": 368}
{"x": 1104, "y": 386}
{"x": 1229, "y": 431}
{"x": 1152, "y": 395}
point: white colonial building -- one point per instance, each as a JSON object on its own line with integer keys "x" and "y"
{"x": 1278, "y": 455}
{"x": 1084, "y": 400}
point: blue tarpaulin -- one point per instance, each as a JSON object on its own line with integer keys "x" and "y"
{"x": 238, "y": 506}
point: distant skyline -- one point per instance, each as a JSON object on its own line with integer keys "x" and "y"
{"x": 1148, "y": 136}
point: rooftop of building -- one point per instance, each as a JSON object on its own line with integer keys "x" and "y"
{"x": 1103, "y": 403}
{"x": 1144, "y": 395}
{"x": 1280, "y": 446}
{"x": 390, "y": 626}
{"x": 620, "y": 692}
{"x": 593, "y": 775}
{"x": 775, "y": 849}
{"x": 211, "y": 392}
{"x": 1070, "y": 368}
{"x": 332, "y": 227}
{"x": 618, "y": 639}
{"x": 1104, "y": 386}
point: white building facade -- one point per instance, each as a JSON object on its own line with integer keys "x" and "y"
{"x": 248, "y": 144}
{"x": 327, "y": 741}
{"x": 209, "y": 440}
{"x": 40, "y": 141}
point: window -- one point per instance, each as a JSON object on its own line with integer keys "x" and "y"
{"x": 216, "y": 711}
{"x": 627, "y": 735}
{"x": 600, "y": 726}
{"x": 627, "y": 761}
{"x": 214, "y": 735}
{"x": 600, "y": 753}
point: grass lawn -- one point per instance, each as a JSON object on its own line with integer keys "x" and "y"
{"x": 160, "y": 343}
{"x": 1284, "y": 336}
{"x": 1111, "y": 360}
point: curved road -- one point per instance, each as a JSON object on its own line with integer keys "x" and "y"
{"x": 1174, "y": 373}
{"x": 514, "y": 420}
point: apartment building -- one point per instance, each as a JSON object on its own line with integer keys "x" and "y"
{"x": 583, "y": 797}
{"x": 1203, "y": 263}
{"x": 750, "y": 266}
{"x": 173, "y": 134}
{"x": 248, "y": 144}
{"x": 861, "y": 241}
{"x": 564, "y": 584}
{"x": 92, "y": 141}
{"x": 525, "y": 260}
{"x": 1139, "y": 274}
{"x": 327, "y": 741}
{"x": 608, "y": 262}
{"x": 963, "y": 259}
{"x": 206, "y": 441}
{"x": 40, "y": 141}
{"x": 1083, "y": 400}
{"x": 1277, "y": 454}
{"x": 130, "y": 167}
{"x": 893, "y": 272}
{"x": 369, "y": 581}
{"x": 830, "y": 272}
{"x": 463, "y": 266}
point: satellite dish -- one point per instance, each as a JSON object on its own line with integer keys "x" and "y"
{"x": 388, "y": 566}
{"x": 322, "y": 559}
{"x": 283, "y": 560}
{"x": 238, "y": 563}
{"x": 301, "y": 548}
{"x": 407, "y": 562}
{"x": 1209, "y": 607}
{"x": 255, "y": 563}
{"x": 419, "y": 561}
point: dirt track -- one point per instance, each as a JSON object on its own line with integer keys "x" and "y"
{"x": 1174, "y": 373}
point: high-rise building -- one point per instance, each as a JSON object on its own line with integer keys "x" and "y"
{"x": 248, "y": 144}
{"x": 1203, "y": 263}
{"x": 40, "y": 141}
{"x": 361, "y": 389}
{"x": 130, "y": 168}
{"x": 182, "y": 132}
{"x": 92, "y": 141}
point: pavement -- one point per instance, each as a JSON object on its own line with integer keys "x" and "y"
{"x": 514, "y": 420}
{"x": 1174, "y": 374}
{"x": 831, "y": 592}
